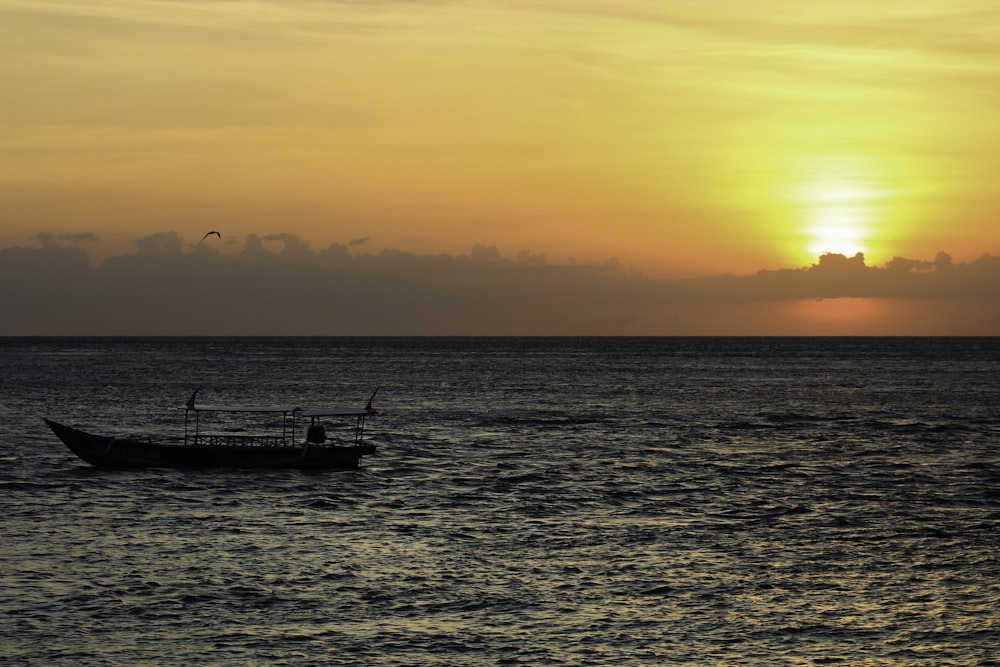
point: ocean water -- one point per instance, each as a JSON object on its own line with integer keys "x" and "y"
{"x": 534, "y": 501}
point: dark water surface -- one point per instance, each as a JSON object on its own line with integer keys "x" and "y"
{"x": 552, "y": 501}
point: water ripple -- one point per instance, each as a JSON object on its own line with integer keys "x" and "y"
{"x": 533, "y": 502}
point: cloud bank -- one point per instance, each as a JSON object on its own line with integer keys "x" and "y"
{"x": 278, "y": 285}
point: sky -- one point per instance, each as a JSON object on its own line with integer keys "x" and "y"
{"x": 499, "y": 167}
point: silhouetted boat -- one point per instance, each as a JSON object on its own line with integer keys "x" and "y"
{"x": 234, "y": 448}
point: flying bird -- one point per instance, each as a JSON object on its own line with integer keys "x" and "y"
{"x": 209, "y": 234}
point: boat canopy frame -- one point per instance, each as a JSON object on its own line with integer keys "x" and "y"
{"x": 293, "y": 418}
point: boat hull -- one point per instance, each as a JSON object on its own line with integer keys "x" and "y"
{"x": 110, "y": 452}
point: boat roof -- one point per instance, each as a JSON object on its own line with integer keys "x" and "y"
{"x": 242, "y": 408}
{"x": 324, "y": 412}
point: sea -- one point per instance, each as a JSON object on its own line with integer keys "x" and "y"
{"x": 533, "y": 501}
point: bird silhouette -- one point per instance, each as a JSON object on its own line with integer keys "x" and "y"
{"x": 209, "y": 234}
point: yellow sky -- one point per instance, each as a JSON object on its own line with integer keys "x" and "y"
{"x": 682, "y": 137}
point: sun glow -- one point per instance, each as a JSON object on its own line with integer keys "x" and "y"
{"x": 840, "y": 208}
{"x": 845, "y": 311}
{"x": 840, "y": 220}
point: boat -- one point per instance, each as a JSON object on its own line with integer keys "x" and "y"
{"x": 226, "y": 442}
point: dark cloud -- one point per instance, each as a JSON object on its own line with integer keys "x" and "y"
{"x": 163, "y": 243}
{"x": 292, "y": 247}
{"x": 837, "y": 276}
{"x": 358, "y": 242}
{"x": 278, "y": 285}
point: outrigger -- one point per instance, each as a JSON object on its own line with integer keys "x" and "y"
{"x": 235, "y": 447}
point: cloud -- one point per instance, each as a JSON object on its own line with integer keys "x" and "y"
{"x": 940, "y": 28}
{"x": 837, "y": 276}
{"x": 292, "y": 247}
{"x": 163, "y": 243}
{"x": 278, "y": 285}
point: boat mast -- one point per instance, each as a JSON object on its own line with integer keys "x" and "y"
{"x": 188, "y": 409}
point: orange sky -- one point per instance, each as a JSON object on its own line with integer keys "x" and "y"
{"x": 682, "y": 138}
